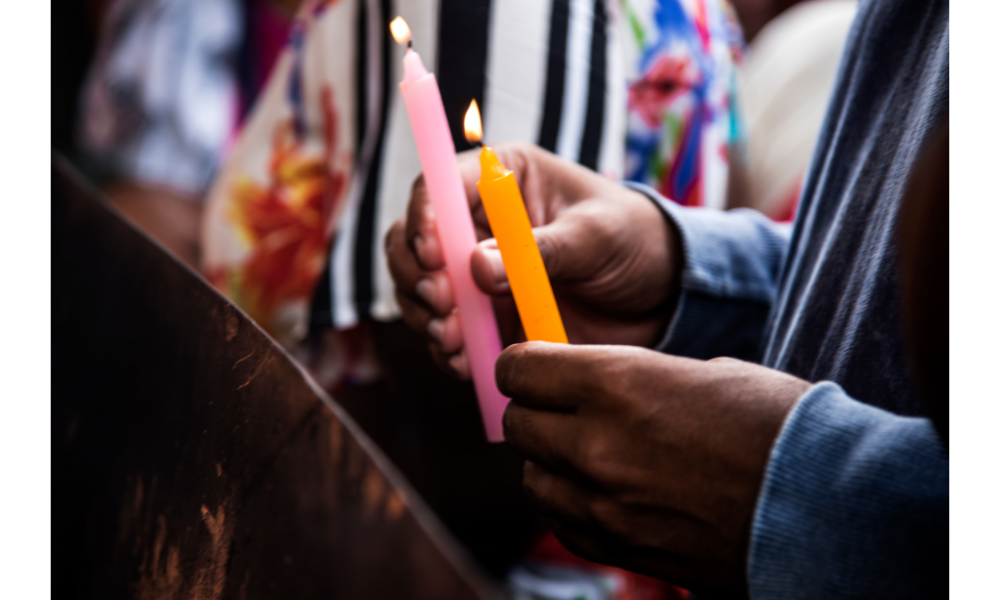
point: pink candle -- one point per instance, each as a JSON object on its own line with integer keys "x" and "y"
{"x": 455, "y": 230}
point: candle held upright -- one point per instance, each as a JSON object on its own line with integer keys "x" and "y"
{"x": 436, "y": 150}
{"x": 529, "y": 281}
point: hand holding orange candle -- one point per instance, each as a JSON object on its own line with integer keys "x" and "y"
{"x": 511, "y": 227}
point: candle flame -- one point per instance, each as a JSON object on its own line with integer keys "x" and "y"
{"x": 473, "y": 123}
{"x": 400, "y": 30}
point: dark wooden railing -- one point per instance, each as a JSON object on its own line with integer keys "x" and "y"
{"x": 192, "y": 458}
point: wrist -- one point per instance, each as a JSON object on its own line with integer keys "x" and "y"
{"x": 669, "y": 245}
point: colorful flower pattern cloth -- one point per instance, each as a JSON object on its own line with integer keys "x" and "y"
{"x": 271, "y": 210}
{"x": 683, "y": 56}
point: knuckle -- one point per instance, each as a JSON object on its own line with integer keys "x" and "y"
{"x": 602, "y": 228}
{"x": 594, "y": 458}
{"x": 725, "y": 360}
{"x": 551, "y": 254}
{"x": 604, "y": 379}
{"x": 601, "y": 461}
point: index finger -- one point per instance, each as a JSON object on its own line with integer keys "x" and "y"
{"x": 421, "y": 229}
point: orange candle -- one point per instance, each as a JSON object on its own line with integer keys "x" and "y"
{"x": 511, "y": 227}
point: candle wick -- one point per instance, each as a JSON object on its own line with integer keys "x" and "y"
{"x": 409, "y": 44}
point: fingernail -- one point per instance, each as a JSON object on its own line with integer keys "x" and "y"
{"x": 496, "y": 265}
{"x": 436, "y": 328}
{"x": 426, "y": 290}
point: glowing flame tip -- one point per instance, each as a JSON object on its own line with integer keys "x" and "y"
{"x": 400, "y": 30}
{"x": 473, "y": 123}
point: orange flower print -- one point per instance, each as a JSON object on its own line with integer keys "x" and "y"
{"x": 285, "y": 223}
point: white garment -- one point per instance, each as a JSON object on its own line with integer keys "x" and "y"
{"x": 787, "y": 78}
{"x": 161, "y": 98}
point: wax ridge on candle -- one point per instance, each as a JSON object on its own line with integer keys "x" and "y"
{"x": 413, "y": 67}
{"x": 489, "y": 164}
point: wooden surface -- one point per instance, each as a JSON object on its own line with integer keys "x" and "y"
{"x": 191, "y": 458}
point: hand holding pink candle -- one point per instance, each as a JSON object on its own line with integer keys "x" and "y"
{"x": 455, "y": 229}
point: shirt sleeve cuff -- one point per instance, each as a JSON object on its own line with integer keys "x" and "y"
{"x": 732, "y": 262}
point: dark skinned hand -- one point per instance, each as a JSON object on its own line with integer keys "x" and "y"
{"x": 643, "y": 460}
{"x": 611, "y": 256}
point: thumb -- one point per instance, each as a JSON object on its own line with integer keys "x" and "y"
{"x": 488, "y": 270}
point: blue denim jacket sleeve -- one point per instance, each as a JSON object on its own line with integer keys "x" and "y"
{"x": 854, "y": 505}
{"x": 732, "y": 264}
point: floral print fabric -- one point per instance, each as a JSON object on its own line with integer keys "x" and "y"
{"x": 683, "y": 56}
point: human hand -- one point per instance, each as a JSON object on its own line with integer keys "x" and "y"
{"x": 643, "y": 460}
{"x": 611, "y": 256}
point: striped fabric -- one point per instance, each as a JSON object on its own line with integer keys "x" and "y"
{"x": 542, "y": 71}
